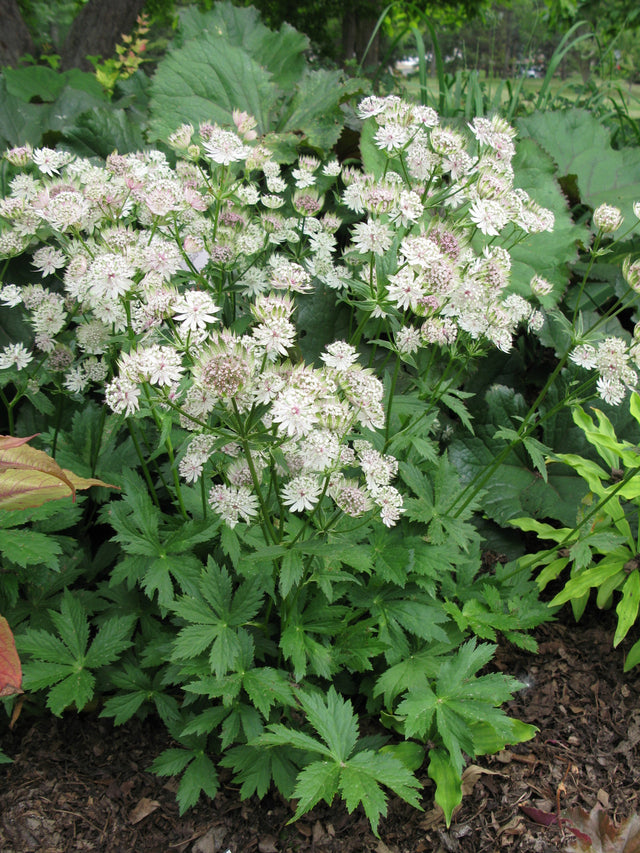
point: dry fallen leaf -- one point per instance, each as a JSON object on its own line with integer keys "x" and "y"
{"x": 142, "y": 809}
{"x": 471, "y": 775}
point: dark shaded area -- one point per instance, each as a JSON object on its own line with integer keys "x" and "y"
{"x": 78, "y": 783}
{"x": 97, "y": 29}
{"x": 15, "y": 38}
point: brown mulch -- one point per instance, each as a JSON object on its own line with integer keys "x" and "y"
{"x": 79, "y": 784}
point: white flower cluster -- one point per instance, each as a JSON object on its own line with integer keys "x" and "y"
{"x": 455, "y": 187}
{"x": 310, "y": 413}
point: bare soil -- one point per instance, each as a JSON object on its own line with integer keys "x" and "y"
{"x": 80, "y": 784}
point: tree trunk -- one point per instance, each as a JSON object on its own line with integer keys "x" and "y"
{"x": 356, "y": 32}
{"x": 97, "y": 29}
{"x": 15, "y": 38}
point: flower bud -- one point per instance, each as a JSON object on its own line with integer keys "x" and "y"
{"x": 607, "y": 218}
{"x": 631, "y": 273}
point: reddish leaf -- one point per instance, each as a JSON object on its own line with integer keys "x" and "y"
{"x": 597, "y": 833}
{"x": 538, "y": 816}
{"x": 29, "y": 477}
{"x": 10, "y": 669}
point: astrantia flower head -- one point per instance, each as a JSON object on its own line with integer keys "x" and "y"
{"x": 372, "y": 236}
{"x": 233, "y": 503}
{"x": 339, "y": 355}
{"x": 631, "y": 272}
{"x": 301, "y": 493}
{"x": 224, "y": 367}
{"x": 19, "y": 156}
{"x": 607, "y": 218}
{"x": 15, "y": 355}
{"x": 194, "y": 310}
{"x": 224, "y": 146}
{"x": 48, "y": 259}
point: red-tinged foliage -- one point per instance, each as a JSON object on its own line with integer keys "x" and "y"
{"x": 29, "y": 477}
{"x": 10, "y": 669}
{"x": 597, "y": 833}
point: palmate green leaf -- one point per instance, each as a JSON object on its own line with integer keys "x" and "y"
{"x": 278, "y": 734}
{"x": 110, "y": 641}
{"x": 206, "y": 721}
{"x": 123, "y": 706}
{"x": 334, "y": 721}
{"x": 171, "y": 762}
{"x": 76, "y": 688}
{"x": 72, "y": 625}
{"x": 411, "y": 673}
{"x": 199, "y": 777}
{"x": 38, "y": 674}
{"x": 267, "y": 687}
{"x": 365, "y": 772}
{"x": 419, "y": 708}
{"x": 255, "y": 768}
{"x": 317, "y": 781}
{"x": 29, "y": 548}
{"x": 242, "y": 717}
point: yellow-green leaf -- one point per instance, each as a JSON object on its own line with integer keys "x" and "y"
{"x": 30, "y": 477}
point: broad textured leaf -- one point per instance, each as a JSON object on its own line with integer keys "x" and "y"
{"x": 315, "y": 109}
{"x": 516, "y": 488}
{"x": 281, "y": 52}
{"x": 19, "y": 122}
{"x": 571, "y": 137}
{"x": 99, "y": 131}
{"x": 10, "y": 669}
{"x": 47, "y": 85}
{"x": 204, "y": 81}
{"x": 549, "y": 253}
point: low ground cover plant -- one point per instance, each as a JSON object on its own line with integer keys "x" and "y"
{"x": 269, "y": 362}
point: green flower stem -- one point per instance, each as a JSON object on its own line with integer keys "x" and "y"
{"x": 394, "y": 379}
{"x": 143, "y": 463}
{"x": 203, "y": 494}
{"x": 169, "y": 448}
{"x": 471, "y": 490}
{"x": 269, "y": 532}
{"x": 9, "y": 407}
{"x": 592, "y": 260}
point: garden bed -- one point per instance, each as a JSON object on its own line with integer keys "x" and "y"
{"x": 78, "y": 783}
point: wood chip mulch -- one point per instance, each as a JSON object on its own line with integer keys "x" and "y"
{"x": 80, "y": 784}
